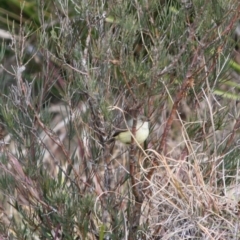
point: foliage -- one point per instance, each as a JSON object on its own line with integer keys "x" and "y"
{"x": 70, "y": 73}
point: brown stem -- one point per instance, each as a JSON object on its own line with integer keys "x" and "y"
{"x": 136, "y": 189}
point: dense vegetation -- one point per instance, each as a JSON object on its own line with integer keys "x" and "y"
{"x": 70, "y": 73}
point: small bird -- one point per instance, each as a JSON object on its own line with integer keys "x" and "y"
{"x": 141, "y": 134}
